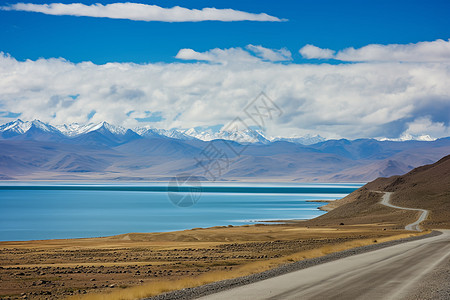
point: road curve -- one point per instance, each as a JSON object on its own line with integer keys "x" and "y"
{"x": 413, "y": 226}
{"x": 388, "y": 273}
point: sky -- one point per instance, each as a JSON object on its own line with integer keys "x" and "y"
{"x": 341, "y": 69}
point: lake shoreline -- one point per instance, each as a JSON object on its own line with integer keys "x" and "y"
{"x": 84, "y": 211}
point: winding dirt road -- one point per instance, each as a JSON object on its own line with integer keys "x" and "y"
{"x": 413, "y": 226}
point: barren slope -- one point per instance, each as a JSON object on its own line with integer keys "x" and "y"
{"x": 426, "y": 187}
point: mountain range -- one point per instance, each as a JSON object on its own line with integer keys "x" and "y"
{"x": 20, "y": 127}
{"x": 39, "y": 151}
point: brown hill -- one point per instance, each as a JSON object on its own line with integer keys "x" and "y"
{"x": 426, "y": 187}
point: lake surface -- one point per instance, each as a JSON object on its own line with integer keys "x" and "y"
{"x": 50, "y": 211}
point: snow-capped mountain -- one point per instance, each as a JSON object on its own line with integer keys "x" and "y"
{"x": 19, "y": 127}
{"x": 147, "y": 131}
{"x": 76, "y": 129}
{"x": 242, "y": 136}
{"x": 176, "y": 134}
{"x": 118, "y": 130}
{"x": 410, "y": 137}
{"x": 154, "y": 132}
{"x": 73, "y": 129}
{"x": 303, "y": 140}
{"x": 204, "y": 135}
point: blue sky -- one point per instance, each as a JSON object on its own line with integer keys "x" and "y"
{"x": 352, "y": 69}
{"x": 326, "y": 24}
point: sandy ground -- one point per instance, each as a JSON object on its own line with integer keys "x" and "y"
{"x": 56, "y": 269}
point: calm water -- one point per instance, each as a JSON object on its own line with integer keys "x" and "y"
{"x": 30, "y": 212}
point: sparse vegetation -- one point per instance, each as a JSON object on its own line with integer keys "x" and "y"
{"x": 154, "y": 262}
{"x": 159, "y": 287}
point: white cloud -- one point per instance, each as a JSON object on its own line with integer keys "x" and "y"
{"x": 424, "y": 128}
{"x": 435, "y": 51}
{"x": 253, "y": 54}
{"x": 387, "y": 99}
{"x": 142, "y": 12}
{"x": 189, "y": 54}
{"x": 311, "y": 51}
{"x": 217, "y": 55}
{"x": 271, "y": 54}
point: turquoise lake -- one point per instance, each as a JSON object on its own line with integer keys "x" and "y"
{"x": 55, "y": 211}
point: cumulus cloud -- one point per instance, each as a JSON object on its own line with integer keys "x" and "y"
{"x": 435, "y": 51}
{"x": 142, "y": 12}
{"x": 387, "y": 99}
{"x": 418, "y": 127}
{"x": 251, "y": 54}
{"x": 270, "y": 54}
{"x": 311, "y": 51}
{"x": 217, "y": 55}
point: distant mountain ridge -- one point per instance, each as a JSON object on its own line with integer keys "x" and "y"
{"x": 19, "y": 127}
{"x": 35, "y": 150}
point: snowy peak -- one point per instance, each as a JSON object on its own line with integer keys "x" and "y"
{"x": 20, "y": 127}
{"x": 70, "y": 130}
{"x": 176, "y": 134}
{"x": 76, "y": 129}
{"x": 148, "y": 132}
{"x": 43, "y": 126}
{"x": 154, "y": 132}
{"x": 303, "y": 140}
{"x": 240, "y": 136}
{"x": 410, "y": 137}
{"x": 105, "y": 126}
{"x": 204, "y": 135}
{"x": 243, "y": 136}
